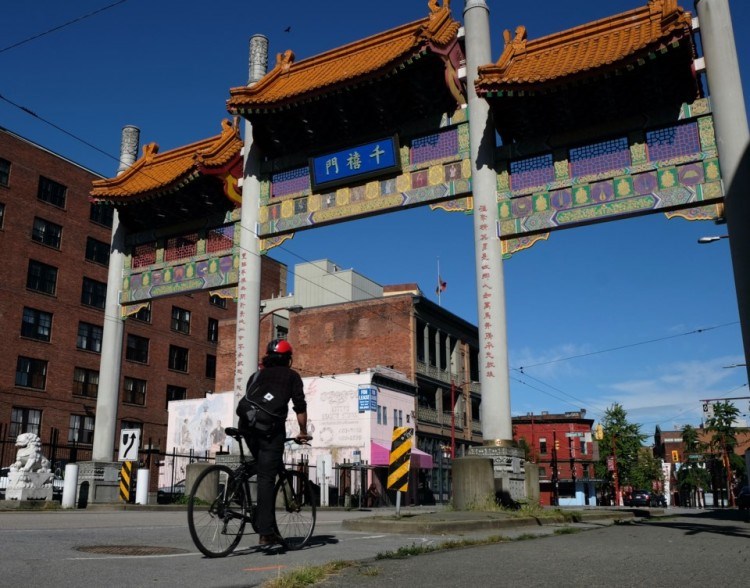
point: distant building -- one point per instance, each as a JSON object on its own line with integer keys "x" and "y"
{"x": 562, "y": 447}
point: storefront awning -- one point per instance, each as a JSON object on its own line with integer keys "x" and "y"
{"x": 380, "y": 456}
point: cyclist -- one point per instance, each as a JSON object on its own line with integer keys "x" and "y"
{"x": 271, "y": 389}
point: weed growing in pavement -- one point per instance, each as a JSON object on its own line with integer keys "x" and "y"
{"x": 566, "y": 531}
{"x": 307, "y": 575}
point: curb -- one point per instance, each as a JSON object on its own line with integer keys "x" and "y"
{"x": 476, "y": 523}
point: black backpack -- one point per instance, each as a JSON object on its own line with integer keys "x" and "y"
{"x": 253, "y": 418}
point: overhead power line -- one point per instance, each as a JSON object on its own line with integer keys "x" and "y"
{"x": 62, "y": 26}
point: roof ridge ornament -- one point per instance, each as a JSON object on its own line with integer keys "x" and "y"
{"x": 513, "y": 47}
{"x": 285, "y": 60}
{"x": 150, "y": 150}
{"x": 434, "y": 5}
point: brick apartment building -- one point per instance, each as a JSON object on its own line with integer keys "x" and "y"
{"x": 562, "y": 442}
{"x": 55, "y": 247}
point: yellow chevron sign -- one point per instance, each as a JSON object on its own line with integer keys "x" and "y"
{"x": 400, "y": 456}
{"x": 126, "y": 477}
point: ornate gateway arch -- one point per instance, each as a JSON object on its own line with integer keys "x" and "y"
{"x": 603, "y": 121}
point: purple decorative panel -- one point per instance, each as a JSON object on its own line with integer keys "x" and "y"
{"x": 673, "y": 142}
{"x": 432, "y": 147}
{"x": 599, "y": 157}
{"x": 290, "y": 182}
{"x": 220, "y": 239}
{"x": 531, "y": 172}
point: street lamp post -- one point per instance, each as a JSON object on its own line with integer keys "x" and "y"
{"x": 712, "y": 239}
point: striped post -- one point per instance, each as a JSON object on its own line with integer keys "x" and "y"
{"x": 399, "y": 462}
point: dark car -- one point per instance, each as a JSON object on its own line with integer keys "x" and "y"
{"x": 171, "y": 494}
{"x": 743, "y": 498}
{"x": 658, "y": 500}
{"x": 639, "y": 498}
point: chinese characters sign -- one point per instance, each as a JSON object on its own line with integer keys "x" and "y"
{"x": 353, "y": 163}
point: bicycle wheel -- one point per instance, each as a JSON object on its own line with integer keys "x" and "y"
{"x": 217, "y": 511}
{"x": 295, "y": 509}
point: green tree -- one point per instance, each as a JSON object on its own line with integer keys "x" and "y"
{"x": 723, "y": 440}
{"x": 692, "y": 474}
{"x": 646, "y": 470}
{"x": 623, "y": 440}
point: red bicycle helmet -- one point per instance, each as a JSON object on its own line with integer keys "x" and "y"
{"x": 279, "y": 346}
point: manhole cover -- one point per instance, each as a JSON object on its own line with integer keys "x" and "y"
{"x": 130, "y": 550}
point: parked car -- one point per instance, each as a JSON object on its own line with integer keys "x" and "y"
{"x": 638, "y": 498}
{"x": 658, "y": 500}
{"x": 743, "y": 498}
{"x": 171, "y": 494}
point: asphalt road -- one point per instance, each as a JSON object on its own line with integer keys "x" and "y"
{"x": 146, "y": 548}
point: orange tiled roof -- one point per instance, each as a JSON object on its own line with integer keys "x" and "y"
{"x": 157, "y": 172}
{"x": 289, "y": 81}
{"x": 588, "y": 47}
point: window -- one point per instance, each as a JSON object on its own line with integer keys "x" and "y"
{"x": 217, "y": 300}
{"x": 542, "y": 472}
{"x": 81, "y": 429}
{"x": 101, "y": 214}
{"x": 176, "y": 393}
{"x": 52, "y": 192}
{"x": 31, "y": 373}
{"x": 178, "y": 358}
{"x": 25, "y": 420}
{"x": 89, "y": 337}
{"x": 85, "y": 382}
{"x": 46, "y": 233}
{"x": 94, "y": 293}
{"x": 143, "y": 314}
{"x": 211, "y": 366}
{"x": 137, "y": 349}
{"x": 395, "y": 417}
{"x": 134, "y": 391}
{"x": 582, "y": 445}
{"x": 97, "y": 251}
{"x": 36, "y": 324}
{"x": 4, "y": 172}
{"x": 124, "y": 425}
{"x": 213, "y": 330}
{"x": 180, "y": 320}
{"x": 385, "y": 415}
{"x": 400, "y": 418}
{"x": 542, "y": 446}
{"x": 2, "y": 215}
{"x": 41, "y": 277}
{"x": 380, "y": 417}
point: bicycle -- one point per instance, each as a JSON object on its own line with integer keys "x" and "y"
{"x": 220, "y": 504}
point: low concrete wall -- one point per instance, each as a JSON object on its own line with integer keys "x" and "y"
{"x": 473, "y": 482}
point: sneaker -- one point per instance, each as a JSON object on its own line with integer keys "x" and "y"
{"x": 271, "y": 539}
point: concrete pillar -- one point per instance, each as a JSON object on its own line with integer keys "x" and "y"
{"x": 730, "y": 122}
{"x": 493, "y": 350}
{"x": 248, "y": 299}
{"x": 426, "y": 336}
{"x": 110, "y": 363}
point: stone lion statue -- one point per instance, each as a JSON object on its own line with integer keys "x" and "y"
{"x": 29, "y": 456}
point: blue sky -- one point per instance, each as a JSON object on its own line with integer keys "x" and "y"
{"x": 634, "y": 311}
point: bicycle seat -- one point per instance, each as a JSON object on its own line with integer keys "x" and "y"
{"x": 233, "y": 432}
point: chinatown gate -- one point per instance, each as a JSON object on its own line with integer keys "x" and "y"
{"x": 605, "y": 121}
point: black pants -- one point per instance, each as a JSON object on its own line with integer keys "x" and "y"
{"x": 269, "y": 456}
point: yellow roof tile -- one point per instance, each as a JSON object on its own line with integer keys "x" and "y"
{"x": 584, "y": 48}
{"x": 157, "y": 172}
{"x": 289, "y": 81}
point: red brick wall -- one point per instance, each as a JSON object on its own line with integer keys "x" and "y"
{"x": 342, "y": 337}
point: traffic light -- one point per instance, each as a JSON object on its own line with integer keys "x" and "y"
{"x": 557, "y": 445}
{"x": 675, "y": 456}
{"x": 599, "y": 434}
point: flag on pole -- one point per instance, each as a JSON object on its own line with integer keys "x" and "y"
{"x": 441, "y": 286}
